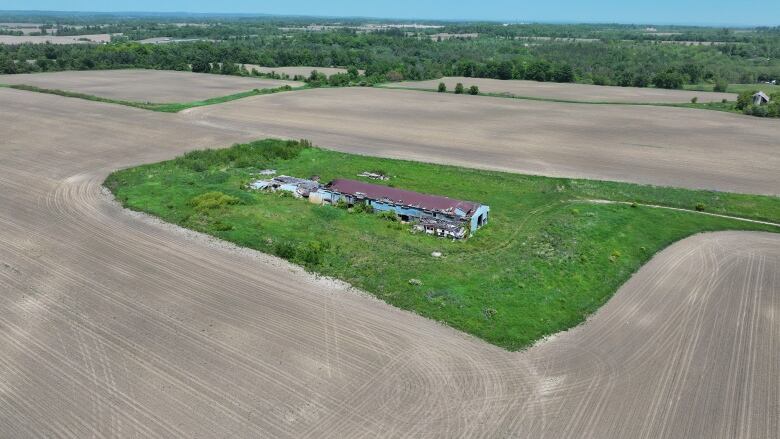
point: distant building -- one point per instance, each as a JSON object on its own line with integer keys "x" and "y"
{"x": 760, "y": 98}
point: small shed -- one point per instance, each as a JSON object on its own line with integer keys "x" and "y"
{"x": 760, "y": 98}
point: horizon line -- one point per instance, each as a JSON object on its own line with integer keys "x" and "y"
{"x": 360, "y": 17}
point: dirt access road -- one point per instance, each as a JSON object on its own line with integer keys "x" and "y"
{"x": 114, "y": 325}
{"x": 643, "y": 144}
{"x": 157, "y": 86}
{"x": 572, "y": 92}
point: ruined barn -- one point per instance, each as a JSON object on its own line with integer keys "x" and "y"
{"x": 299, "y": 187}
{"x": 443, "y": 216}
{"x": 432, "y": 214}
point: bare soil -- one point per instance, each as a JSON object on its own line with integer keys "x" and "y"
{"x": 572, "y": 92}
{"x": 643, "y": 144}
{"x": 157, "y": 86}
{"x": 26, "y": 28}
{"x": 55, "y": 39}
{"x": 115, "y": 325}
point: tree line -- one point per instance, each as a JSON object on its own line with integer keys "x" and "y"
{"x": 395, "y": 55}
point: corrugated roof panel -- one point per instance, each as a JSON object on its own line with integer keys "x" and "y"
{"x": 400, "y": 196}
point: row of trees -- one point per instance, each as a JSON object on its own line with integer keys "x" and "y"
{"x": 459, "y": 89}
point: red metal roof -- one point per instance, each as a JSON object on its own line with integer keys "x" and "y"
{"x": 400, "y": 196}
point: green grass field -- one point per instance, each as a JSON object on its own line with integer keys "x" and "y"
{"x": 547, "y": 259}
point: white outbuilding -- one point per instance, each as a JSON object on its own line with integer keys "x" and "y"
{"x": 760, "y": 98}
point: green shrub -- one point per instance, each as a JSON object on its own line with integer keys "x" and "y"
{"x": 721, "y": 85}
{"x": 312, "y": 253}
{"x": 285, "y": 250}
{"x": 473, "y": 90}
{"x": 774, "y": 106}
{"x": 242, "y": 155}
{"x": 317, "y": 79}
{"x": 362, "y": 208}
{"x": 669, "y": 79}
{"x": 212, "y": 200}
{"x": 694, "y": 100}
{"x": 600, "y": 80}
{"x": 700, "y": 207}
{"x": 745, "y": 99}
{"x": 459, "y": 89}
{"x": 442, "y": 87}
{"x": 388, "y": 215}
{"x": 757, "y": 110}
{"x": 339, "y": 80}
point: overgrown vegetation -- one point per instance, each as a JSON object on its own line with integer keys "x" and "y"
{"x": 746, "y": 104}
{"x": 547, "y": 259}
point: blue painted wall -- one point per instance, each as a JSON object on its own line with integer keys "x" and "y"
{"x": 482, "y": 210}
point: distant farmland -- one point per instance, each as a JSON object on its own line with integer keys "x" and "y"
{"x": 572, "y": 92}
{"x": 642, "y": 144}
{"x": 158, "y": 86}
{"x": 54, "y": 39}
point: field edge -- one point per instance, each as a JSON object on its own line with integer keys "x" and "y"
{"x": 126, "y": 205}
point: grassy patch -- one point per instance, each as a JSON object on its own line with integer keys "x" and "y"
{"x": 165, "y": 108}
{"x": 544, "y": 262}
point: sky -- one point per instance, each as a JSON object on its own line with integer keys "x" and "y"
{"x": 709, "y": 12}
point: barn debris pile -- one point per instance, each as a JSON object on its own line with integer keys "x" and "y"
{"x": 374, "y": 175}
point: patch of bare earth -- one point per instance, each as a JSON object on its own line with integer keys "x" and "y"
{"x": 55, "y": 39}
{"x": 158, "y": 86}
{"x": 643, "y": 144}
